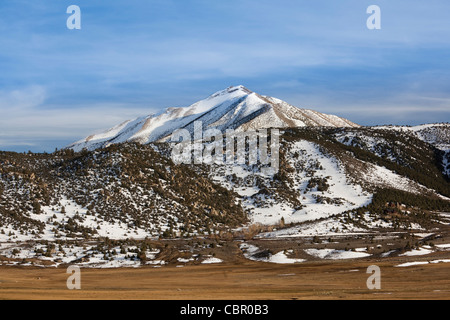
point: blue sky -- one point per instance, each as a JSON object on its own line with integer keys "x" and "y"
{"x": 136, "y": 57}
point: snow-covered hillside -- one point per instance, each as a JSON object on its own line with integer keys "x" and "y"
{"x": 316, "y": 184}
{"x": 124, "y": 204}
{"x": 318, "y": 188}
{"x": 436, "y": 134}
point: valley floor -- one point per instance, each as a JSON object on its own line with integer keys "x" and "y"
{"x": 247, "y": 280}
{"x": 269, "y": 265}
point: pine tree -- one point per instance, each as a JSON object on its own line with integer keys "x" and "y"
{"x": 36, "y": 207}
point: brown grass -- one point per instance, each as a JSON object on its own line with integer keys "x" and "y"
{"x": 245, "y": 281}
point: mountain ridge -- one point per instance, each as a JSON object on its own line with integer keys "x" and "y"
{"x": 233, "y": 108}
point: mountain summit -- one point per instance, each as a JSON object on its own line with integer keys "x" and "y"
{"x": 233, "y": 108}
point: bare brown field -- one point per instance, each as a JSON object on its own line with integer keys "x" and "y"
{"x": 245, "y": 281}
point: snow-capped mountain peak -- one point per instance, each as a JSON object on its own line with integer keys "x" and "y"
{"x": 235, "y": 107}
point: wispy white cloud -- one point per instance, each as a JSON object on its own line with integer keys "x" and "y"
{"x": 22, "y": 98}
{"x": 27, "y": 118}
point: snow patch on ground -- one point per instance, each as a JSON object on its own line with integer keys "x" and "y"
{"x": 416, "y": 263}
{"x": 328, "y": 227}
{"x": 417, "y": 252}
{"x": 334, "y": 254}
{"x": 281, "y": 257}
{"x": 55, "y": 214}
{"x": 212, "y": 260}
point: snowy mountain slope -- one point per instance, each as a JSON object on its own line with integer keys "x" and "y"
{"x": 322, "y": 186}
{"x": 115, "y": 193}
{"x": 328, "y": 189}
{"x": 134, "y": 190}
{"x": 332, "y": 182}
{"x": 437, "y": 134}
{"x": 395, "y": 146}
{"x": 233, "y": 108}
{"x": 315, "y": 184}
